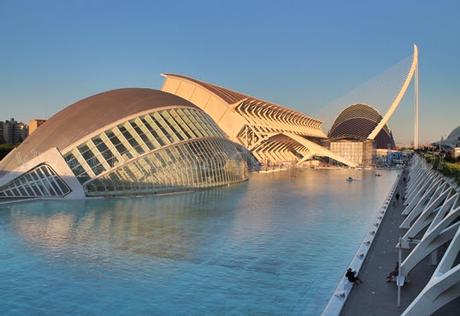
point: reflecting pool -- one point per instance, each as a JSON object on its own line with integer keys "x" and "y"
{"x": 275, "y": 245}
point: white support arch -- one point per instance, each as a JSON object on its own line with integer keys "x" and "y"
{"x": 436, "y": 208}
{"x": 441, "y": 234}
{"x": 422, "y": 204}
{"x": 419, "y": 192}
{"x": 413, "y": 71}
{"x": 444, "y": 285}
{"x": 428, "y": 214}
{"x": 449, "y": 203}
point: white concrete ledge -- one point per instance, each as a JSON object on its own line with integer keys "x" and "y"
{"x": 343, "y": 290}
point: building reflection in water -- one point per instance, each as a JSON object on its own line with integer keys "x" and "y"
{"x": 250, "y": 244}
{"x": 166, "y": 227}
{"x": 193, "y": 226}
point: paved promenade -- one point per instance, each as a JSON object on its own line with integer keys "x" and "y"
{"x": 375, "y": 296}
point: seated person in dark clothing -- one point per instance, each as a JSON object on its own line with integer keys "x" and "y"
{"x": 393, "y": 273}
{"x": 351, "y": 276}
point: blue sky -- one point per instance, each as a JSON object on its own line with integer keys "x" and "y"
{"x": 303, "y": 54}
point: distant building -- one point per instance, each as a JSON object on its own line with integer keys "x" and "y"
{"x": 456, "y": 152}
{"x": 21, "y": 131}
{"x": 350, "y": 131}
{"x": 453, "y": 140}
{"x": 451, "y": 143}
{"x": 13, "y": 132}
{"x": 34, "y": 124}
{"x": 360, "y": 152}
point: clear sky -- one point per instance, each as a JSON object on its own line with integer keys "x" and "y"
{"x": 303, "y": 54}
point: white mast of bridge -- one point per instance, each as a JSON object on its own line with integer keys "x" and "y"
{"x": 416, "y": 104}
{"x": 413, "y": 74}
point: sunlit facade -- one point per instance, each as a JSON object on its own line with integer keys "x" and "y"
{"x": 360, "y": 152}
{"x": 137, "y": 141}
{"x": 274, "y": 134}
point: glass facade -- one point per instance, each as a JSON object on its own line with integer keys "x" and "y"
{"x": 168, "y": 150}
{"x": 42, "y": 181}
{"x": 361, "y": 153}
{"x": 194, "y": 164}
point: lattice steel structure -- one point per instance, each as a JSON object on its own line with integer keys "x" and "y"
{"x": 273, "y": 133}
{"x": 126, "y": 141}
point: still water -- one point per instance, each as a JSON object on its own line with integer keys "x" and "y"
{"x": 275, "y": 245}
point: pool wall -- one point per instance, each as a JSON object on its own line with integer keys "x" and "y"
{"x": 343, "y": 290}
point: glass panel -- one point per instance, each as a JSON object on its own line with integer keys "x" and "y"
{"x": 191, "y": 123}
{"x": 118, "y": 145}
{"x": 106, "y": 153}
{"x": 50, "y": 189}
{"x": 130, "y": 138}
{"x": 156, "y": 119}
{"x": 77, "y": 169}
{"x": 55, "y": 187}
{"x": 198, "y": 122}
{"x": 91, "y": 159}
{"x": 209, "y": 123}
{"x": 29, "y": 191}
{"x": 34, "y": 175}
{"x": 41, "y": 188}
{"x": 152, "y": 130}
{"x": 64, "y": 188}
{"x": 185, "y": 129}
{"x": 35, "y": 189}
{"x": 172, "y": 124}
{"x": 40, "y": 173}
{"x": 45, "y": 171}
{"x": 142, "y": 135}
{"x": 185, "y": 122}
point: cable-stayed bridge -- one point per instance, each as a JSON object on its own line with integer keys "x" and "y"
{"x": 385, "y": 93}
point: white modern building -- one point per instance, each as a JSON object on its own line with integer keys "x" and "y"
{"x": 125, "y": 141}
{"x": 271, "y": 132}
